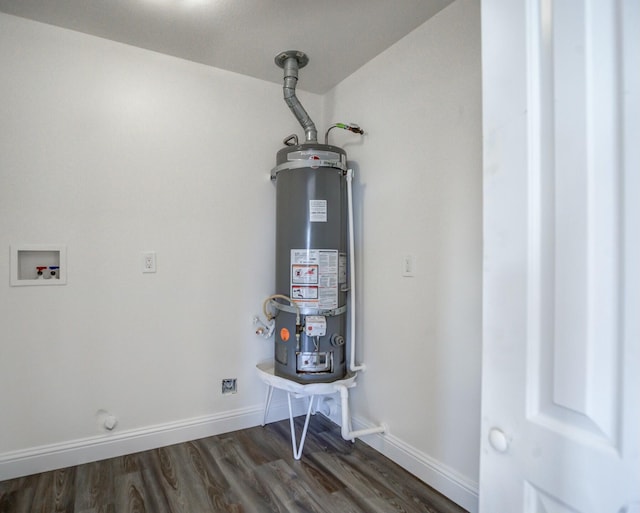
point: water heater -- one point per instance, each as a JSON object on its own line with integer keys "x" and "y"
{"x": 308, "y": 312}
{"x": 311, "y": 262}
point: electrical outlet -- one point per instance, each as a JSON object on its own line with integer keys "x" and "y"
{"x": 149, "y": 262}
{"x": 408, "y": 265}
{"x": 229, "y": 386}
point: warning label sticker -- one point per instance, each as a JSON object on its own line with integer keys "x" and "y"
{"x": 304, "y": 273}
{"x": 314, "y": 277}
{"x": 318, "y": 211}
{"x": 299, "y": 292}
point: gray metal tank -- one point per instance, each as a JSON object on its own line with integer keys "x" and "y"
{"x": 311, "y": 262}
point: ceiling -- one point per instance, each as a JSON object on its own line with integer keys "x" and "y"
{"x": 244, "y": 36}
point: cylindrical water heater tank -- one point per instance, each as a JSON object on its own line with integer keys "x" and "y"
{"x": 311, "y": 262}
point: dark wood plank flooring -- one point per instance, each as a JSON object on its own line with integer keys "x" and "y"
{"x": 248, "y": 471}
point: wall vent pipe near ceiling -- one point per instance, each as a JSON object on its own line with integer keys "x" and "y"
{"x": 291, "y": 61}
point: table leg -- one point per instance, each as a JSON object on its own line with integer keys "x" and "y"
{"x": 267, "y": 404}
{"x": 297, "y": 451}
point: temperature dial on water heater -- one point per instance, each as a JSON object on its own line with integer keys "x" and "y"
{"x": 315, "y": 326}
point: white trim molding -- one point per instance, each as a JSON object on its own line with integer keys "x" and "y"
{"x": 76, "y": 452}
{"x": 447, "y": 481}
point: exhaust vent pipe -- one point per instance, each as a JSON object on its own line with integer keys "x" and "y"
{"x": 291, "y": 61}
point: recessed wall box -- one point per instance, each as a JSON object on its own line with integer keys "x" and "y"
{"x": 38, "y": 264}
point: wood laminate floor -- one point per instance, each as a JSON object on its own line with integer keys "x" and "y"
{"x": 247, "y": 471}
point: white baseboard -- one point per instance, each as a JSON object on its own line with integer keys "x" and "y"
{"x": 448, "y": 482}
{"x": 76, "y": 452}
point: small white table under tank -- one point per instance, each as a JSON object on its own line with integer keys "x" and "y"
{"x": 311, "y": 391}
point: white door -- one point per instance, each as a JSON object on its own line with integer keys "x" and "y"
{"x": 561, "y": 337}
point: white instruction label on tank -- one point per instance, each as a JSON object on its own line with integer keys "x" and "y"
{"x": 318, "y": 211}
{"x": 314, "y": 278}
{"x": 342, "y": 268}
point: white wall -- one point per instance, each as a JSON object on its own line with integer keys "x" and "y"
{"x": 112, "y": 150}
{"x": 418, "y": 191}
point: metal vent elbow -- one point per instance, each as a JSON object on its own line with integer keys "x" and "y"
{"x": 291, "y": 61}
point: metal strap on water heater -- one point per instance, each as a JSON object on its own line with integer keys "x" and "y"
{"x": 298, "y": 164}
{"x": 309, "y": 311}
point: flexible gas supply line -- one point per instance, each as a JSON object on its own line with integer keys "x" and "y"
{"x": 280, "y": 296}
{"x": 352, "y": 127}
{"x": 269, "y": 317}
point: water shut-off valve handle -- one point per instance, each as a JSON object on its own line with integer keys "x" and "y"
{"x": 352, "y": 127}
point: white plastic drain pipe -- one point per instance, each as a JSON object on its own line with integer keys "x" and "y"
{"x": 346, "y": 431}
{"x": 352, "y": 278}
